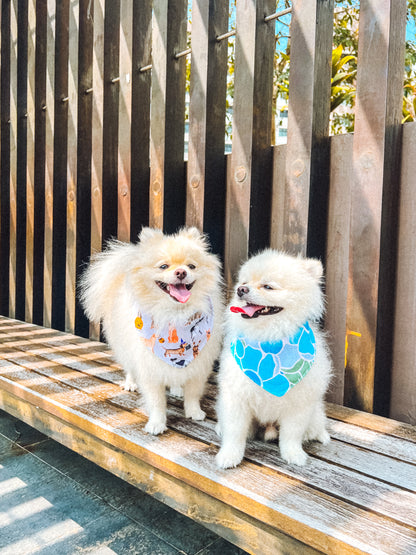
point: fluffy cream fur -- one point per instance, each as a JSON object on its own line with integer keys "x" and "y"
{"x": 292, "y": 283}
{"x": 126, "y": 274}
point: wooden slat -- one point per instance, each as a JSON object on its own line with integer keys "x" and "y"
{"x": 13, "y": 158}
{"x": 205, "y": 201}
{"x": 337, "y": 257}
{"x": 249, "y": 190}
{"x": 308, "y": 121}
{"x": 278, "y": 197}
{"x": 30, "y": 169}
{"x": 97, "y": 136}
{"x": 111, "y": 90}
{"x": 84, "y": 150}
{"x": 5, "y": 158}
{"x": 376, "y": 109}
{"x": 140, "y": 115}
{"x": 125, "y": 129}
{"x": 60, "y": 163}
{"x": 40, "y": 118}
{"x": 167, "y": 177}
{"x": 403, "y": 383}
{"x": 71, "y": 190}
{"x": 21, "y": 42}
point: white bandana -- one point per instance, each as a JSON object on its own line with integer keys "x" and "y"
{"x": 177, "y": 345}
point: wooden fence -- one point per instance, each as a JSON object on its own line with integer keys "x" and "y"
{"x": 92, "y": 146}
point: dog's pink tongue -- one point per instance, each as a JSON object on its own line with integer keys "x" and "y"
{"x": 179, "y": 292}
{"x": 249, "y": 309}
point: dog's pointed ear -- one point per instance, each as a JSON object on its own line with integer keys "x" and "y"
{"x": 148, "y": 233}
{"x": 194, "y": 234}
{"x": 314, "y": 268}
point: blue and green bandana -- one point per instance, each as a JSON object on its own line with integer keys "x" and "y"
{"x": 276, "y": 366}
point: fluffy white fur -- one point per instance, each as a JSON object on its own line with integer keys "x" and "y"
{"x": 292, "y": 283}
{"x": 126, "y": 274}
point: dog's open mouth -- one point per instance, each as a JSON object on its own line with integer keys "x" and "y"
{"x": 254, "y": 310}
{"x": 178, "y": 291}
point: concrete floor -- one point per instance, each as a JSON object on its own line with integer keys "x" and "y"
{"x": 53, "y": 501}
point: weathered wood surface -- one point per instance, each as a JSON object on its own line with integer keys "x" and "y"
{"x": 358, "y": 494}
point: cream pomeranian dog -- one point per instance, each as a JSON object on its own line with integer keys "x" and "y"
{"x": 275, "y": 366}
{"x": 160, "y": 303}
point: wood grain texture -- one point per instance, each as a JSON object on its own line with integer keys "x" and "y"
{"x": 354, "y": 495}
{"x": 337, "y": 259}
{"x": 403, "y": 391}
{"x": 205, "y": 201}
{"x": 249, "y": 186}
{"x": 307, "y": 159}
{"x": 376, "y": 110}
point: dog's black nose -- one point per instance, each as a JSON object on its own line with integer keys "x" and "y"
{"x": 180, "y": 273}
{"x": 242, "y": 290}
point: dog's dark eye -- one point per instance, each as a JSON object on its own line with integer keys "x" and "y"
{"x": 268, "y": 287}
{"x": 191, "y": 266}
{"x": 164, "y": 267}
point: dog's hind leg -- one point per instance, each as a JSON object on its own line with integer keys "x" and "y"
{"x": 316, "y": 430}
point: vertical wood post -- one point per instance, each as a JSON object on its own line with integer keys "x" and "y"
{"x": 307, "y": 160}
{"x": 167, "y": 183}
{"x": 249, "y": 185}
{"x": 403, "y": 379}
{"x": 377, "y": 117}
{"x": 205, "y": 202}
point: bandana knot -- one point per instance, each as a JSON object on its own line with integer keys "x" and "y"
{"x": 276, "y": 366}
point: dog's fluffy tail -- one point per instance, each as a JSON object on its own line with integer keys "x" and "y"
{"x": 103, "y": 277}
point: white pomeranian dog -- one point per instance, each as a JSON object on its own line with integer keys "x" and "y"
{"x": 160, "y": 303}
{"x": 275, "y": 365}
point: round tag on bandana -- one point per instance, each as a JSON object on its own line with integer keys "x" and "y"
{"x": 276, "y": 366}
{"x": 176, "y": 345}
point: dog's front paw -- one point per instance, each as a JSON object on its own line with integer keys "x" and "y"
{"x": 293, "y": 454}
{"x": 196, "y": 413}
{"x": 218, "y": 429}
{"x": 130, "y": 385}
{"x": 227, "y": 458}
{"x": 155, "y": 427}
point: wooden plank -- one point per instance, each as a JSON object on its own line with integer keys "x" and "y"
{"x": 30, "y": 166}
{"x": 84, "y": 151}
{"x": 97, "y": 136}
{"x": 5, "y": 158}
{"x": 60, "y": 162}
{"x": 41, "y": 41}
{"x": 125, "y": 128}
{"x": 373, "y": 151}
{"x": 249, "y": 190}
{"x": 360, "y": 489}
{"x": 205, "y": 201}
{"x": 339, "y": 528}
{"x": 72, "y": 171}
{"x": 372, "y": 422}
{"x": 403, "y": 387}
{"x": 307, "y": 159}
{"x": 167, "y": 117}
{"x": 13, "y": 157}
{"x": 111, "y": 89}
{"x": 278, "y": 197}
{"x": 140, "y": 115}
{"x": 21, "y": 156}
{"x": 337, "y": 258}
{"x": 49, "y": 150}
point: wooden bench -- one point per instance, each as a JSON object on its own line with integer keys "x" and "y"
{"x": 356, "y": 495}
